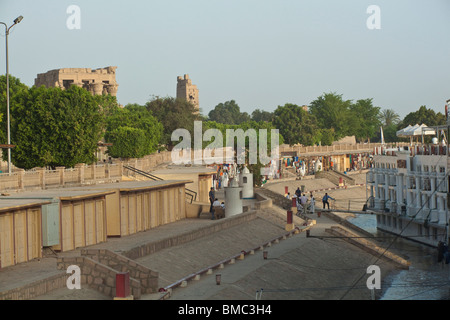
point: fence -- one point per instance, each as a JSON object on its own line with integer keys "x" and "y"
{"x": 81, "y": 174}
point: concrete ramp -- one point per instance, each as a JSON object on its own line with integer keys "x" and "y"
{"x": 368, "y": 246}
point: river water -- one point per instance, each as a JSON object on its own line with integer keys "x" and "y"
{"x": 426, "y": 279}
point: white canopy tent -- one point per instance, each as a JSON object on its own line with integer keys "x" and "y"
{"x": 416, "y": 131}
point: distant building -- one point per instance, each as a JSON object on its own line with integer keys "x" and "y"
{"x": 97, "y": 81}
{"x": 188, "y": 91}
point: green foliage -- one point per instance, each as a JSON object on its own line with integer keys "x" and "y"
{"x": 295, "y": 124}
{"x": 127, "y": 142}
{"x": 228, "y": 113}
{"x": 390, "y": 133}
{"x": 261, "y": 115}
{"x": 389, "y": 117}
{"x": 16, "y": 93}
{"x": 244, "y": 126}
{"x": 108, "y": 104}
{"x": 54, "y": 127}
{"x": 136, "y": 117}
{"x": 173, "y": 113}
{"x": 325, "y": 137}
{"x": 423, "y": 116}
{"x": 332, "y": 112}
{"x": 364, "y": 119}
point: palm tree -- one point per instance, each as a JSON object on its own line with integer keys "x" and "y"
{"x": 389, "y": 117}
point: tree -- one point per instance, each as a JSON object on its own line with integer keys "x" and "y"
{"x": 332, "y": 112}
{"x": 389, "y": 117}
{"x": 364, "y": 119}
{"x": 228, "y": 113}
{"x": 139, "y": 135}
{"x": 127, "y": 142}
{"x": 424, "y": 116}
{"x": 261, "y": 115}
{"x": 295, "y": 125}
{"x": 16, "y": 94}
{"x": 173, "y": 113}
{"x": 390, "y": 133}
{"x": 55, "y": 127}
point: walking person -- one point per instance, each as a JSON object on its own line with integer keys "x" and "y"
{"x": 325, "y": 200}
{"x": 312, "y": 203}
{"x": 212, "y": 197}
{"x": 299, "y": 206}
{"x": 298, "y": 192}
{"x": 303, "y": 201}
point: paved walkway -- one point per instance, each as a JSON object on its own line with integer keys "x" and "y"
{"x": 299, "y": 267}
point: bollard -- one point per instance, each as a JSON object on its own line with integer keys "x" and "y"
{"x": 307, "y": 233}
{"x": 294, "y": 204}
{"x": 265, "y": 255}
{"x": 123, "y": 286}
{"x": 218, "y": 278}
{"x": 289, "y": 221}
{"x": 289, "y": 217}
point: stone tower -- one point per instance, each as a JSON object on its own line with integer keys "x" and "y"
{"x": 96, "y": 81}
{"x": 188, "y": 91}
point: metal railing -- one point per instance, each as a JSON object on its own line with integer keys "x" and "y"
{"x": 189, "y": 193}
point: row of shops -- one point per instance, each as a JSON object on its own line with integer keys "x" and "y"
{"x": 309, "y": 165}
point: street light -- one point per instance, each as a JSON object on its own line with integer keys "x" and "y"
{"x": 16, "y": 21}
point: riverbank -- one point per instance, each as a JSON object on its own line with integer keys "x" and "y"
{"x": 298, "y": 267}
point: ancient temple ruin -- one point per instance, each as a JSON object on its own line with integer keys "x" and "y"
{"x": 97, "y": 81}
{"x": 187, "y": 90}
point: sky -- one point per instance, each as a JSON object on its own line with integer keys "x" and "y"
{"x": 260, "y": 53}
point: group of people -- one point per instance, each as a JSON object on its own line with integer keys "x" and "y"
{"x": 302, "y": 201}
{"x": 214, "y": 203}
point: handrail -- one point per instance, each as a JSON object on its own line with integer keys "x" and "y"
{"x": 191, "y": 193}
{"x": 146, "y": 174}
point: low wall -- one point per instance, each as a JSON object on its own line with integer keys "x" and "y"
{"x": 98, "y": 276}
{"x": 345, "y": 223}
{"x": 276, "y": 198}
{"x": 194, "y": 209}
{"x": 147, "y": 278}
{"x": 35, "y": 289}
{"x": 333, "y": 176}
{"x": 219, "y": 225}
{"x": 262, "y": 201}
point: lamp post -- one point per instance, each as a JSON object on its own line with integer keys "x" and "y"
{"x": 16, "y": 21}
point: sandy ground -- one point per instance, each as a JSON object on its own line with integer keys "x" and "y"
{"x": 353, "y": 198}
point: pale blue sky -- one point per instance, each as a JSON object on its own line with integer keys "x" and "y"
{"x": 260, "y": 53}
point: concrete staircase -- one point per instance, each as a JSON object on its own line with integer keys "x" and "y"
{"x": 335, "y": 177}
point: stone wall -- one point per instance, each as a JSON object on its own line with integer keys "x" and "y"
{"x": 97, "y": 81}
{"x": 277, "y": 199}
{"x": 147, "y": 278}
{"x": 334, "y": 176}
{"x": 188, "y": 91}
{"x": 98, "y": 276}
{"x": 35, "y": 289}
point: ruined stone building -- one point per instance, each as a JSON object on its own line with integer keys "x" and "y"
{"x": 187, "y": 90}
{"x": 97, "y": 81}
